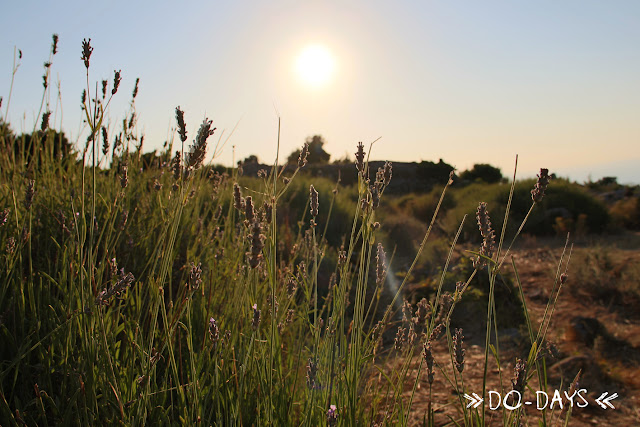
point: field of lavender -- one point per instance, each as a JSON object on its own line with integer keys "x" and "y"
{"x": 179, "y": 293}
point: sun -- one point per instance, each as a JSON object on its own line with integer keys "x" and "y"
{"x": 315, "y": 66}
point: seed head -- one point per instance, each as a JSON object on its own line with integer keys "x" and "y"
{"x": 116, "y": 81}
{"x": 4, "y": 216}
{"x": 249, "y": 211}
{"x": 292, "y": 286}
{"x": 313, "y": 201}
{"x": 257, "y": 243}
{"x": 54, "y": 45}
{"x": 267, "y": 209}
{"x": 176, "y": 165}
{"x": 45, "y": 121}
{"x": 400, "y": 338}
{"x": 360, "y": 158}
{"x": 458, "y": 350}
{"x": 105, "y": 141}
{"x": 519, "y": 376}
{"x": 255, "y": 322}
{"x": 423, "y": 313}
{"x": 375, "y": 197}
{"x": 214, "y": 332}
{"x": 29, "y": 194}
{"x": 199, "y": 147}
{"x": 135, "y": 89}
{"x": 121, "y": 285}
{"x": 538, "y": 191}
{"x": 436, "y": 332}
{"x": 124, "y": 178}
{"x": 11, "y": 245}
{"x": 182, "y": 127}
{"x": 488, "y": 236}
{"x": 304, "y": 153}
{"x": 195, "y": 274}
{"x": 428, "y": 358}
{"x": 312, "y": 373}
{"x": 86, "y": 52}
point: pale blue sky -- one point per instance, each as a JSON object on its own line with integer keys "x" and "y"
{"x": 557, "y": 82}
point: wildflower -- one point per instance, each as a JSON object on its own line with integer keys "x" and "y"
{"x": 182, "y": 128}
{"x": 238, "y": 200}
{"x": 214, "y": 332}
{"x": 445, "y": 304}
{"x": 459, "y": 291}
{"x": 195, "y": 279}
{"x": 29, "y": 194}
{"x": 387, "y": 173}
{"x": 342, "y": 257}
{"x": 4, "y": 216}
{"x": 400, "y": 339}
{"x": 121, "y": 285}
{"x": 123, "y": 220}
{"x": 116, "y": 81}
{"x": 248, "y": 209}
{"x": 458, "y": 350}
{"x": 412, "y": 335}
{"x": 375, "y": 197}
{"x": 488, "y": 236}
{"x": 104, "y": 88}
{"x": 273, "y": 306}
{"x": 406, "y": 311}
{"x": 428, "y": 358}
{"x": 45, "y": 121}
{"x": 290, "y": 313}
{"x": 538, "y": 191}
{"x": 332, "y": 415}
{"x": 436, "y": 332}
{"x": 257, "y": 243}
{"x": 199, "y": 147}
{"x": 313, "y": 201}
{"x": 11, "y": 245}
{"x": 304, "y": 153}
{"x": 255, "y": 322}
{"x": 381, "y": 269}
{"x": 124, "y": 178}
{"x": 267, "y": 209}
{"x": 135, "y": 89}
{"x": 360, "y": 158}
{"x": 312, "y": 372}
{"x": 105, "y": 141}
{"x": 519, "y": 376}
{"x": 54, "y": 45}
{"x": 86, "y": 52}
{"x": 292, "y": 286}
{"x": 423, "y": 312}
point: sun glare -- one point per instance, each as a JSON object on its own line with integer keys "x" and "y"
{"x": 315, "y": 66}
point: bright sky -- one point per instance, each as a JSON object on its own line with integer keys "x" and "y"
{"x": 557, "y": 82}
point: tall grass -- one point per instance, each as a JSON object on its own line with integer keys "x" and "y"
{"x": 179, "y": 295}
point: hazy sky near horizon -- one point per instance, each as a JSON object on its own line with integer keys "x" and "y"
{"x": 556, "y": 82}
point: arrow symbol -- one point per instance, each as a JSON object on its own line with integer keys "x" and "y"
{"x": 475, "y": 400}
{"x": 606, "y": 402}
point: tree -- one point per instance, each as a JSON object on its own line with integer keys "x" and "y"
{"x": 317, "y": 155}
{"x": 483, "y": 172}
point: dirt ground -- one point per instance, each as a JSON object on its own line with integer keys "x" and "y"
{"x": 595, "y": 336}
